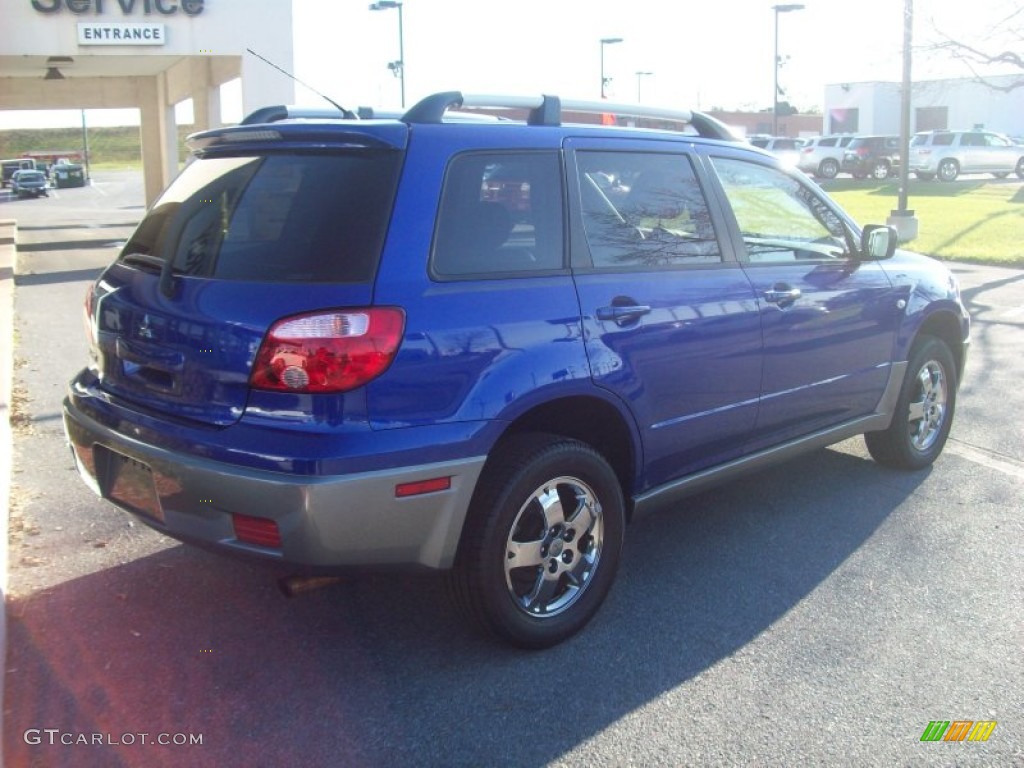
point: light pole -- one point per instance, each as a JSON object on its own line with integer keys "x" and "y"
{"x": 397, "y": 67}
{"x": 639, "y": 76}
{"x": 786, "y": 8}
{"x": 85, "y": 149}
{"x": 605, "y": 80}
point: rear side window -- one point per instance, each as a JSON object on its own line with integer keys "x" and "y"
{"x": 943, "y": 139}
{"x": 827, "y": 142}
{"x": 281, "y": 218}
{"x": 644, "y": 209}
{"x": 501, "y": 214}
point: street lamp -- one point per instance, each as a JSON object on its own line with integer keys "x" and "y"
{"x": 85, "y": 150}
{"x": 639, "y": 76}
{"x": 786, "y": 8}
{"x": 397, "y": 67}
{"x": 605, "y": 80}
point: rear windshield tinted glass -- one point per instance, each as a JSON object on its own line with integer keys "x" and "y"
{"x": 290, "y": 218}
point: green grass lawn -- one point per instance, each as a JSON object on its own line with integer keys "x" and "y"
{"x": 978, "y": 220}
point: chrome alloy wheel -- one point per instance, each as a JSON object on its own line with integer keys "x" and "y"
{"x": 554, "y": 547}
{"x": 928, "y": 409}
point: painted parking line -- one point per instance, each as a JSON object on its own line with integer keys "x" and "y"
{"x": 986, "y": 458}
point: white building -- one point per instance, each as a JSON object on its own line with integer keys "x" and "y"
{"x": 874, "y": 108}
{"x": 147, "y": 54}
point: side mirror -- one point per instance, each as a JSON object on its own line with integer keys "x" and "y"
{"x": 878, "y": 241}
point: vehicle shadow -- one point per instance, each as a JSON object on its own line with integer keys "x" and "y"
{"x": 381, "y": 671}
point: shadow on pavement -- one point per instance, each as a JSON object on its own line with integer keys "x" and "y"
{"x": 69, "y": 245}
{"x": 381, "y": 671}
{"x": 49, "y": 278}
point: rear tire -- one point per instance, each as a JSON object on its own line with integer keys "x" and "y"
{"x": 948, "y": 170}
{"x": 924, "y": 410}
{"x": 1020, "y": 168}
{"x": 828, "y": 169}
{"x": 542, "y": 540}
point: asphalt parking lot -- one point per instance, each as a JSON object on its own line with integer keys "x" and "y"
{"x": 823, "y": 612}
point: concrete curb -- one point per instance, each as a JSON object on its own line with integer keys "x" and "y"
{"x": 8, "y": 236}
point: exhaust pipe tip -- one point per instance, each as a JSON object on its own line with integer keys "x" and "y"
{"x": 293, "y": 586}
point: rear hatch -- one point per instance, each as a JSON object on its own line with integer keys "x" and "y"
{"x": 267, "y": 222}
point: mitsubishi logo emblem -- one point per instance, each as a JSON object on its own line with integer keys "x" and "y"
{"x": 145, "y": 329}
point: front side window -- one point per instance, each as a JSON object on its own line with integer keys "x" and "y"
{"x": 996, "y": 141}
{"x": 501, "y": 214}
{"x": 644, "y": 209}
{"x": 780, "y": 219}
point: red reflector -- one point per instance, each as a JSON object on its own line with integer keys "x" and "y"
{"x": 423, "y": 486}
{"x": 256, "y": 530}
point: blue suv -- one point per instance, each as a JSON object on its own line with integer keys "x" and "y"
{"x": 485, "y": 344}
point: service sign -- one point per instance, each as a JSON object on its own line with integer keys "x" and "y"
{"x": 128, "y": 33}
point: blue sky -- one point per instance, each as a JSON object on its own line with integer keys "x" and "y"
{"x": 703, "y": 55}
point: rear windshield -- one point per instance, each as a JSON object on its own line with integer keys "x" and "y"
{"x": 291, "y": 218}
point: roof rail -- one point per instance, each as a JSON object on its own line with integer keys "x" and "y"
{"x": 547, "y": 110}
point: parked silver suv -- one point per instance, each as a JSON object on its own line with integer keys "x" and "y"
{"x": 822, "y": 156}
{"x": 947, "y": 154}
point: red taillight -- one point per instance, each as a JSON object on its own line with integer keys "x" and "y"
{"x": 328, "y": 351}
{"x": 256, "y": 530}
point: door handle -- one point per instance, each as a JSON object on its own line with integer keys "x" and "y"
{"x": 621, "y": 315}
{"x": 782, "y": 294}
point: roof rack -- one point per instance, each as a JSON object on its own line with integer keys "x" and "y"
{"x": 548, "y": 110}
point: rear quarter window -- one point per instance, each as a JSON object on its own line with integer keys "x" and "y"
{"x": 500, "y": 214}
{"x": 279, "y": 217}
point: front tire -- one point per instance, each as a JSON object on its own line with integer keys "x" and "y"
{"x": 1020, "y": 169}
{"x": 924, "y": 410}
{"x": 542, "y": 540}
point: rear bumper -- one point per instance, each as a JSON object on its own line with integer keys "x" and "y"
{"x": 324, "y": 521}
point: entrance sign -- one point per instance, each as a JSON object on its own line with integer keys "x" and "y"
{"x": 134, "y": 33}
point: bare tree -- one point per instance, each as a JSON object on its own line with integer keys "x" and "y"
{"x": 1009, "y": 51}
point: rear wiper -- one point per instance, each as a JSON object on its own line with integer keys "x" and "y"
{"x": 144, "y": 260}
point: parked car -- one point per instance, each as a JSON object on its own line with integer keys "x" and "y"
{"x": 10, "y": 167}
{"x": 783, "y": 147}
{"x": 29, "y": 184}
{"x": 822, "y": 156}
{"x": 874, "y": 156}
{"x": 68, "y": 175}
{"x": 337, "y": 344}
{"x": 948, "y": 154}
